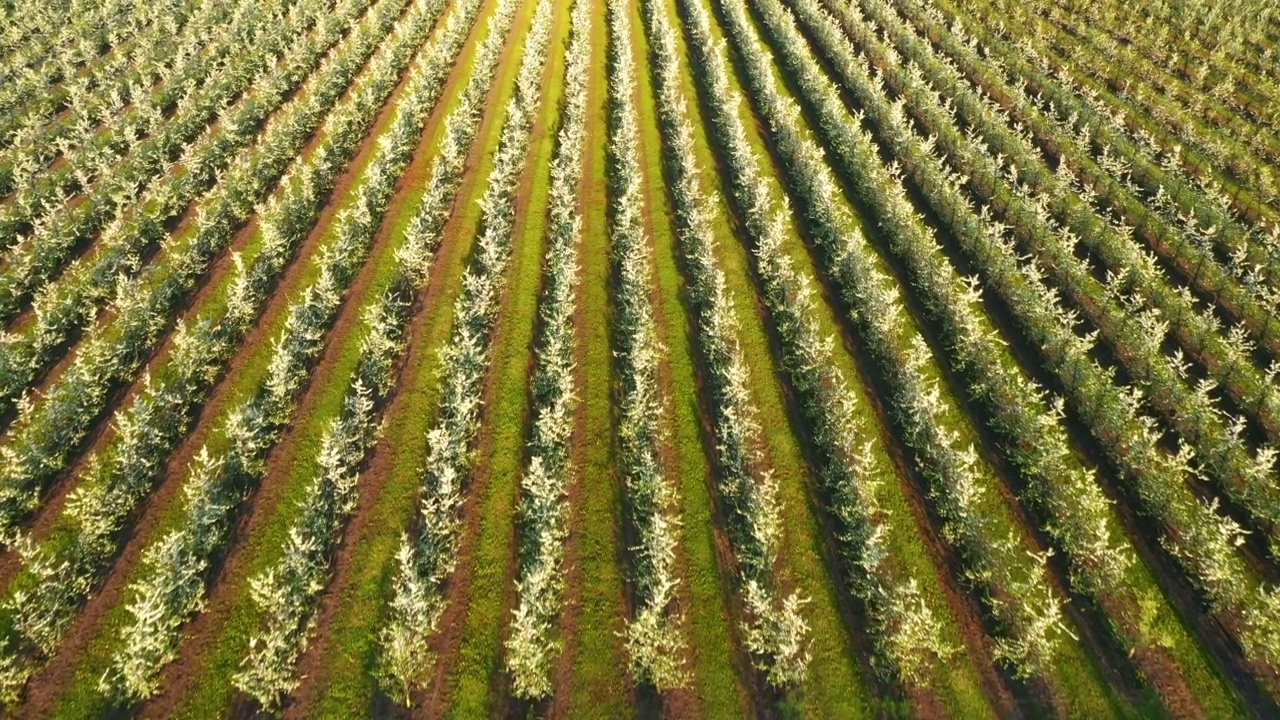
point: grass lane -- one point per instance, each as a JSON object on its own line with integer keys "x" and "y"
{"x": 598, "y": 682}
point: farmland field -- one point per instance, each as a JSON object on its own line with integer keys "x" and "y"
{"x": 639, "y": 358}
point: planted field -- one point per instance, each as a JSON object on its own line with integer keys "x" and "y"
{"x": 616, "y": 358}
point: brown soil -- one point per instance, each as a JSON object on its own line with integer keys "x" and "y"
{"x": 42, "y": 691}
{"x": 1161, "y": 672}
